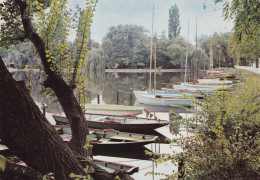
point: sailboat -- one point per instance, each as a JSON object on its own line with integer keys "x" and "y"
{"x": 161, "y": 98}
{"x": 211, "y": 74}
{"x": 202, "y": 85}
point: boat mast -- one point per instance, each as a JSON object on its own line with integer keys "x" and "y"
{"x": 154, "y": 88}
{"x": 151, "y": 53}
{"x": 186, "y": 62}
{"x": 210, "y": 55}
{"x": 196, "y": 77}
{"x": 219, "y": 62}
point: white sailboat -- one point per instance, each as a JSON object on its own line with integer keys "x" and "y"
{"x": 203, "y": 84}
{"x": 158, "y": 97}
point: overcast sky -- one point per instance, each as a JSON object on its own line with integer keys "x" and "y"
{"x": 114, "y": 12}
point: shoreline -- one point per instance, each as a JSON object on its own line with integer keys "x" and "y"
{"x": 143, "y": 70}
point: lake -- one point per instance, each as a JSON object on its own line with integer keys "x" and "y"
{"x": 106, "y": 86}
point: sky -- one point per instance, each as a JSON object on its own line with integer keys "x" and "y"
{"x": 114, "y": 12}
{"x": 139, "y": 12}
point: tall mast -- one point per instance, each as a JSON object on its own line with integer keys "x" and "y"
{"x": 219, "y": 63}
{"x": 186, "y": 62}
{"x": 196, "y": 78}
{"x": 151, "y": 53}
{"x": 210, "y": 55}
{"x": 154, "y": 88}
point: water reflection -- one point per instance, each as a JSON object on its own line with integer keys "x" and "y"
{"x": 105, "y": 84}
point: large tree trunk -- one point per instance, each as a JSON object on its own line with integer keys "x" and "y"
{"x": 25, "y": 131}
{"x": 54, "y": 81}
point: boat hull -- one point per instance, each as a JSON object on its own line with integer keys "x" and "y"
{"x": 161, "y": 101}
{"x": 121, "y": 123}
{"x": 112, "y": 109}
{"x": 112, "y": 166}
{"x": 197, "y": 86}
{"x": 109, "y": 138}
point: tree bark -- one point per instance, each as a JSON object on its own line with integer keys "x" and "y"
{"x": 25, "y": 131}
{"x": 23, "y": 128}
{"x": 54, "y": 81}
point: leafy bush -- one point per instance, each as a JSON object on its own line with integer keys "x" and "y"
{"x": 224, "y": 140}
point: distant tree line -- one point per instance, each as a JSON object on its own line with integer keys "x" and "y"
{"x": 128, "y": 46}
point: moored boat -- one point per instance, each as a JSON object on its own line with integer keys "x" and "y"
{"x": 121, "y": 123}
{"x": 161, "y": 100}
{"x": 218, "y": 74}
{"x": 112, "y": 166}
{"x": 109, "y": 138}
{"x": 214, "y": 81}
{"x": 107, "y": 165}
{"x": 113, "y": 109}
{"x": 200, "y": 86}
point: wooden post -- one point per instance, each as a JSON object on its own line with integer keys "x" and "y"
{"x": 130, "y": 96}
{"x": 98, "y": 99}
{"x": 154, "y": 88}
{"x": 117, "y": 97}
{"x": 146, "y": 79}
{"x": 44, "y": 106}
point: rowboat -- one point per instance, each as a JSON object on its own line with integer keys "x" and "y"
{"x": 155, "y": 108}
{"x": 113, "y": 109}
{"x": 151, "y": 99}
{"x": 107, "y": 165}
{"x": 109, "y": 138}
{"x": 214, "y": 81}
{"x": 218, "y": 74}
{"x": 121, "y": 123}
{"x": 200, "y": 86}
{"x": 112, "y": 166}
{"x": 179, "y": 93}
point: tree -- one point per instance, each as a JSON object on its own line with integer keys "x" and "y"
{"x": 36, "y": 142}
{"x": 246, "y": 39}
{"x": 221, "y": 46}
{"x": 125, "y": 47}
{"x": 174, "y": 22}
{"x": 23, "y": 54}
{"x": 176, "y": 51}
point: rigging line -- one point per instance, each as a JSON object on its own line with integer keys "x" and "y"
{"x": 186, "y": 61}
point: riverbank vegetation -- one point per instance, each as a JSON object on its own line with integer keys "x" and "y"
{"x": 223, "y": 135}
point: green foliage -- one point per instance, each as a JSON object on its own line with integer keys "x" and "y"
{"x": 246, "y": 15}
{"x": 176, "y": 52}
{"x": 128, "y": 47}
{"x": 222, "y": 48}
{"x": 52, "y": 22}
{"x": 96, "y": 61}
{"x": 49, "y": 176}
{"x": 174, "y": 27}
{"x": 2, "y": 163}
{"x": 125, "y": 46}
{"x": 224, "y": 136}
{"x": 23, "y": 54}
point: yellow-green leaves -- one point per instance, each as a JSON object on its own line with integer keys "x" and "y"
{"x": 2, "y": 163}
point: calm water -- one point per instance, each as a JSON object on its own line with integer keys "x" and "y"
{"x": 106, "y": 85}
